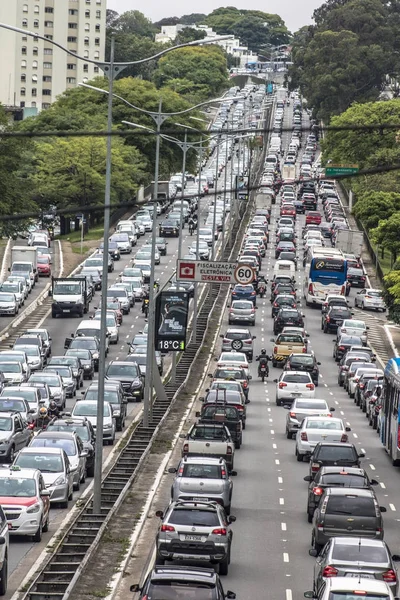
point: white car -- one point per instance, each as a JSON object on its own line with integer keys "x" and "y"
{"x": 302, "y": 408}
{"x": 234, "y": 359}
{"x": 319, "y": 429}
{"x": 293, "y": 384}
{"x": 206, "y": 235}
{"x": 352, "y": 383}
{"x": 353, "y": 327}
{"x": 146, "y": 249}
{"x": 147, "y": 222}
{"x": 352, "y": 587}
{"x": 140, "y": 229}
{"x": 370, "y": 298}
{"x": 88, "y": 409}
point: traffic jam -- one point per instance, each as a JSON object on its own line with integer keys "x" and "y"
{"x": 277, "y": 387}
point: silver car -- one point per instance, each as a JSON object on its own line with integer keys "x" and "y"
{"x": 202, "y": 478}
{"x": 54, "y": 465}
{"x": 353, "y": 327}
{"x": 240, "y": 340}
{"x": 8, "y": 304}
{"x": 34, "y": 357}
{"x": 55, "y": 384}
{"x": 67, "y": 378}
{"x": 242, "y": 311}
{"x": 302, "y": 408}
{"x": 16, "y": 288}
{"x": 370, "y": 298}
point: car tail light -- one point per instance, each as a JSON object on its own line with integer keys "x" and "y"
{"x": 245, "y": 384}
{"x": 329, "y": 572}
{"x": 328, "y": 319}
{"x": 292, "y": 414}
{"x": 248, "y": 342}
{"x": 233, "y": 293}
{"x": 304, "y": 350}
{"x": 398, "y": 436}
{"x": 226, "y": 341}
{"x": 229, "y": 450}
{"x": 223, "y": 472}
{"x": 282, "y": 385}
{"x": 275, "y": 304}
{"x": 310, "y": 289}
{"x": 368, "y": 297}
{"x": 231, "y": 310}
{"x": 185, "y": 447}
{"x": 344, "y": 438}
{"x": 275, "y": 349}
{"x": 340, "y": 347}
{"x": 219, "y": 531}
{"x": 318, "y": 491}
{"x": 314, "y": 467}
{"x": 361, "y": 386}
{"x": 389, "y": 576}
{"x": 304, "y": 437}
{"x": 167, "y": 528}
{"x": 310, "y": 386}
{"x": 253, "y": 294}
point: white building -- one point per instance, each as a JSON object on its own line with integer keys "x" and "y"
{"x": 232, "y": 46}
{"x": 34, "y": 72}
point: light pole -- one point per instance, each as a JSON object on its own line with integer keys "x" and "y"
{"x": 111, "y": 71}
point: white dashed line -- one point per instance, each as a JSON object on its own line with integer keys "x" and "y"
{"x": 372, "y": 467}
{"x": 281, "y": 501}
{"x": 392, "y": 507}
{"x": 280, "y": 479}
{"x": 283, "y": 526}
{"x": 383, "y": 486}
{"x": 285, "y": 557}
{"x": 277, "y": 461}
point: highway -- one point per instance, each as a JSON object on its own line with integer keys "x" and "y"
{"x": 271, "y": 535}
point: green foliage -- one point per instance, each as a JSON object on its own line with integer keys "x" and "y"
{"x": 133, "y": 22}
{"x": 387, "y": 234}
{"x": 193, "y": 19}
{"x": 189, "y": 34}
{"x": 203, "y": 66}
{"x": 372, "y": 207}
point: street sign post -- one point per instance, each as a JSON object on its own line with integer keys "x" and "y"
{"x": 334, "y": 170}
{"x": 204, "y": 271}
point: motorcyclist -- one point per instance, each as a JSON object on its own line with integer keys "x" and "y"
{"x": 261, "y": 285}
{"x": 192, "y": 224}
{"x": 43, "y": 419}
{"x": 263, "y": 360}
{"x": 53, "y": 410}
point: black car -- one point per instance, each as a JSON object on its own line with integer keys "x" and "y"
{"x": 90, "y": 343}
{"x": 286, "y": 317}
{"x": 349, "y": 477}
{"x": 326, "y": 305}
{"x": 285, "y": 255}
{"x": 304, "y": 362}
{"x": 333, "y": 454}
{"x": 113, "y": 250}
{"x": 343, "y": 345}
{"x": 86, "y": 359}
{"x": 283, "y": 288}
{"x": 128, "y": 373}
{"x": 334, "y": 318}
{"x": 282, "y": 300}
{"x": 73, "y": 362}
{"x": 356, "y": 277}
{"x": 162, "y": 581}
{"x": 300, "y": 210}
{"x": 284, "y": 247}
{"x": 161, "y": 244}
{"x": 83, "y": 428}
{"x": 169, "y": 227}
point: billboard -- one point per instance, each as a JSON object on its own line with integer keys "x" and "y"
{"x": 172, "y": 311}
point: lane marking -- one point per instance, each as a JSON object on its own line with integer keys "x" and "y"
{"x": 281, "y": 501}
{"x": 277, "y": 461}
{"x": 372, "y": 467}
{"x": 383, "y": 486}
{"x": 392, "y": 507}
{"x": 283, "y": 527}
{"x": 285, "y": 557}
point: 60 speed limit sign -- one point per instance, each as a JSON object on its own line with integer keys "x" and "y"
{"x": 244, "y": 274}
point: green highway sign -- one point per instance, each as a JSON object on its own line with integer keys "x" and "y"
{"x": 334, "y": 170}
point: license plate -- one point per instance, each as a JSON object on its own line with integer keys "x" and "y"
{"x": 364, "y": 575}
{"x": 296, "y": 393}
{"x": 200, "y": 499}
{"x": 192, "y": 538}
{"x": 66, "y": 310}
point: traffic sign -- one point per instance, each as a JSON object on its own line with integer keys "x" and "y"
{"x": 334, "y": 170}
{"x": 244, "y": 274}
{"x": 204, "y": 271}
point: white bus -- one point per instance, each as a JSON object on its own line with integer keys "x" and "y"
{"x": 325, "y": 273}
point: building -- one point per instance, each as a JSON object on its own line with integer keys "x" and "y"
{"x": 232, "y": 46}
{"x": 34, "y": 71}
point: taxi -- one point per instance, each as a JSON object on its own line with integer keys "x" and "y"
{"x": 286, "y": 344}
{"x": 25, "y": 501}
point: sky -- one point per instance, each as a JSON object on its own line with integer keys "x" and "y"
{"x": 295, "y": 13}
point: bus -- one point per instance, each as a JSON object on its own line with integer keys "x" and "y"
{"x": 389, "y": 430}
{"x": 325, "y": 273}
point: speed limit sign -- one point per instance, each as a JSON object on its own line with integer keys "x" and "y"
{"x": 244, "y": 274}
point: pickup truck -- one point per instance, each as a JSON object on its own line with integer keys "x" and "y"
{"x": 225, "y": 414}
{"x": 210, "y": 439}
{"x": 286, "y": 344}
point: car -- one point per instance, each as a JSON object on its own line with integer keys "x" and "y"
{"x": 9, "y": 304}
{"x": 344, "y": 511}
{"x": 342, "y": 345}
{"x": 55, "y": 383}
{"x": 354, "y": 327}
{"x": 242, "y": 311}
{"x": 319, "y": 429}
{"x": 53, "y": 463}
{"x": 43, "y": 266}
{"x": 162, "y": 244}
{"x": 337, "y": 476}
{"x": 34, "y": 358}
{"x": 244, "y": 292}
{"x": 292, "y": 384}
{"x": 357, "y": 558}
{"x": 197, "y": 531}
{"x": 304, "y": 407}
{"x": 71, "y": 361}
{"x": 334, "y": 318}
{"x": 235, "y": 374}
{"x": 20, "y": 489}
{"x": 361, "y": 385}
{"x": 304, "y": 362}
{"x": 67, "y": 378}
{"x": 169, "y": 227}
{"x": 13, "y": 372}
{"x": 369, "y": 369}
{"x": 113, "y": 250}
{"x": 365, "y": 363}
{"x": 370, "y": 298}
{"x": 283, "y": 300}
{"x": 201, "y": 478}
{"x": 88, "y": 409}
{"x": 90, "y": 343}
{"x": 313, "y": 217}
{"x": 240, "y": 340}
{"x": 85, "y": 359}
{"x": 182, "y": 579}
{"x": 287, "y": 316}
{"x": 284, "y": 247}
{"x": 356, "y": 277}
{"x": 73, "y": 446}
{"x": 128, "y": 374}
{"x": 330, "y": 453}
{"x": 346, "y": 362}
{"x": 114, "y": 394}
{"x": 82, "y": 427}
{"x": 350, "y": 587}
{"x": 16, "y": 288}
{"x": 334, "y": 300}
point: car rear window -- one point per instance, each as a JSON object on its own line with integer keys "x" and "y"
{"x": 356, "y": 595}
{"x": 328, "y": 424}
{"x": 290, "y": 378}
{"x": 308, "y": 361}
{"x": 181, "y": 590}
{"x": 196, "y": 517}
{"x": 311, "y": 405}
{"x": 370, "y": 554}
{"x": 343, "y": 480}
{"x": 351, "y": 505}
{"x": 202, "y": 471}
{"x": 336, "y": 453}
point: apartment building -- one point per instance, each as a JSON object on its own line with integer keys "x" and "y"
{"x": 33, "y": 71}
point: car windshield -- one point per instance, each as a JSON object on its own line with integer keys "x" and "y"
{"x": 61, "y": 370}
{"x": 229, "y": 374}
{"x": 232, "y": 357}
{"x": 67, "y": 445}
{"x": 202, "y": 471}
{"x": 29, "y": 395}
{"x": 311, "y": 405}
{"x": 30, "y": 350}
{"x": 83, "y": 409}
{"x": 306, "y": 361}
{"x": 208, "y": 433}
{"x": 15, "y": 487}
{"x": 121, "y": 370}
{"x": 10, "y": 367}
{"x": 46, "y": 463}
{"x": 51, "y": 380}
{"x": 12, "y": 405}
{"x": 354, "y": 324}
{"x": 197, "y": 517}
{"x": 237, "y": 304}
{"x": 5, "y": 424}
{"x": 351, "y": 505}
{"x": 7, "y": 298}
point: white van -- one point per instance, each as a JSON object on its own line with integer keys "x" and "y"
{"x": 284, "y": 267}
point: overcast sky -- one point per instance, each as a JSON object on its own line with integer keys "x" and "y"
{"x": 295, "y": 13}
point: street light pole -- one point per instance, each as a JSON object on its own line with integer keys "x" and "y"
{"x": 215, "y": 199}
{"x": 98, "y": 464}
{"x": 184, "y": 150}
{"x": 196, "y": 285}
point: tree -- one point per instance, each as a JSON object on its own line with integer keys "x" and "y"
{"x": 387, "y": 234}
{"x": 193, "y": 19}
{"x": 189, "y": 34}
{"x": 131, "y": 47}
{"x": 251, "y": 31}
{"x": 166, "y": 21}
{"x": 372, "y": 207}
{"x": 111, "y": 17}
{"x": 204, "y": 66}
{"x": 134, "y": 22}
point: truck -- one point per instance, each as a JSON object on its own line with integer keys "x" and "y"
{"x": 70, "y": 296}
{"x": 164, "y": 193}
{"x": 350, "y": 241}
{"x": 289, "y": 172}
{"x": 264, "y": 201}
{"x": 210, "y": 439}
{"x": 24, "y": 258}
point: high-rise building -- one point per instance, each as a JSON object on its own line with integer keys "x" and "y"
{"x": 34, "y": 72}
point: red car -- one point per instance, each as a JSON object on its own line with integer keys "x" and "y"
{"x": 43, "y": 266}
{"x": 288, "y": 210}
{"x": 313, "y": 218}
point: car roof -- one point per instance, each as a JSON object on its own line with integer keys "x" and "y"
{"x": 183, "y": 572}
{"x": 200, "y": 460}
{"x": 358, "y": 541}
{"x": 19, "y": 473}
{"x": 338, "y": 444}
{"x": 65, "y": 435}
{"x": 44, "y": 450}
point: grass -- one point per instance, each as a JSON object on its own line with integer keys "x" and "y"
{"x": 75, "y": 236}
{"x": 385, "y": 263}
{"x": 77, "y": 249}
{"x": 103, "y": 593}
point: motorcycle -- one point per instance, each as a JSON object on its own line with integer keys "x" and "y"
{"x": 261, "y": 289}
{"x": 263, "y": 371}
{"x": 145, "y": 308}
